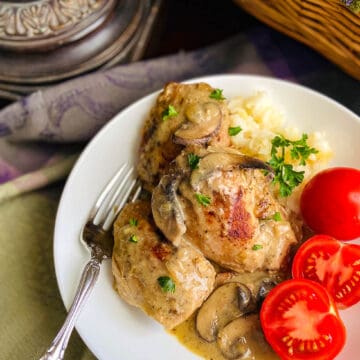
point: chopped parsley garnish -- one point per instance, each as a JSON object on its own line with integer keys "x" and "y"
{"x": 285, "y": 175}
{"x": 277, "y": 216}
{"x": 169, "y": 112}
{"x": 166, "y": 284}
{"x": 217, "y": 94}
{"x": 193, "y": 161}
{"x": 203, "y": 199}
{"x": 232, "y": 131}
{"x": 133, "y": 222}
{"x": 133, "y": 238}
{"x": 257, "y": 247}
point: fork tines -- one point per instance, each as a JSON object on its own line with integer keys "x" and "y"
{"x": 122, "y": 187}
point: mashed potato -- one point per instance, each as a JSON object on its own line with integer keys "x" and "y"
{"x": 260, "y": 121}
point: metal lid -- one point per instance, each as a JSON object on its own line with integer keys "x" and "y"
{"x": 43, "y": 25}
{"x": 42, "y": 42}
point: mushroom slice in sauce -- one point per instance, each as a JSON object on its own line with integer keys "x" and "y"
{"x": 166, "y": 209}
{"x": 203, "y": 122}
{"x": 221, "y": 159}
{"x": 265, "y": 286}
{"x": 237, "y": 339}
{"x": 225, "y": 304}
{"x": 259, "y": 282}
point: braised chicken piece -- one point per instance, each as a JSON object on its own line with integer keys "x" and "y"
{"x": 184, "y": 115}
{"x": 224, "y": 207}
{"x": 169, "y": 283}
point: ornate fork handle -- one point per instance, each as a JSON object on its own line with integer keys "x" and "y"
{"x": 88, "y": 279}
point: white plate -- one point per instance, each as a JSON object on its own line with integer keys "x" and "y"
{"x": 112, "y": 329}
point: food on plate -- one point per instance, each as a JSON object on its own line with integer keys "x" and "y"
{"x": 184, "y": 115}
{"x": 300, "y": 321}
{"x": 169, "y": 283}
{"x": 219, "y": 233}
{"x": 241, "y": 338}
{"x": 330, "y": 203}
{"x": 235, "y": 296}
{"x": 285, "y": 175}
{"x": 259, "y": 283}
{"x": 225, "y": 304}
{"x": 332, "y": 263}
{"x": 227, "y": 325}
{"x": 224, "y": 207}
{"x": 261, "y": 122}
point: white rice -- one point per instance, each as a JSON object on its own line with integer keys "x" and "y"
{"x": 261, "y": 120}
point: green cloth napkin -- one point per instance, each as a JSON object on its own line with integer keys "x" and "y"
{"x": 31, "y": 308}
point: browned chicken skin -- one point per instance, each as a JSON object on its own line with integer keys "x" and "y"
{"x": 226, "y": 209}
{"x": 199, "y": 120}
{"x": 141, "y": 256}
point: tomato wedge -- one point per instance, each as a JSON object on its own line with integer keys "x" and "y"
{"x": 300, "y": 321}
{"x": 334, "y": 264}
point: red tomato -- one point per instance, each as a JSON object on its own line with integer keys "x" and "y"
{"x": 300, "y": 321}
{"x": 330, "y": 203}
{"x": 333, "y": 264}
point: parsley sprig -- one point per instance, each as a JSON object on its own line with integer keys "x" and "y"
{"x": 169, "y": 112}
{"x": 232, "y": 131}
{"x": 166, "y": 283}
{"x": 193, "y": 161}
{"x": 133, "y": 238}
{"x": 277, "y": 216}
{"x": 217, "y": 94}
{"x": 133, "y": 222}
{"x": 202, "y": 199}
{"x": 285, "y": 175}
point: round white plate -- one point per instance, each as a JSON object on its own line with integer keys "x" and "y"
{"x": 112, "y": 329}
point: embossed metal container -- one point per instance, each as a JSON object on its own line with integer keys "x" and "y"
{"x": 43, "y": 42}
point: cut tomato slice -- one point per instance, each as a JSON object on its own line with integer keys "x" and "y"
{"x": 332, "y": 263}
{"x": 300, "y": 321}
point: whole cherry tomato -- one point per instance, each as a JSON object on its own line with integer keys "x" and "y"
{"x": 330, "y": 203}
{"x": 333, "y": 264}
{"x": 300, "y": 321}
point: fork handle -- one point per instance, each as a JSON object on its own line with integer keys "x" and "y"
{"x": 88, "y": 279}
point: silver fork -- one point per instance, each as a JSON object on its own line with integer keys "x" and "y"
{"x": 122, "y": 187}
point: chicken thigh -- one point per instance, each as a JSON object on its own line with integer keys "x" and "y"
{"x": 184, "y": 115}
{"x": 226, "y": 209}
{"x": 168, "y": 283}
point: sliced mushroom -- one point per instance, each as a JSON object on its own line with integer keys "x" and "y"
{"x": 167, "y": 212}
{"x": 203, "y": 122}
{"x": 225, "y": 304}
{"x": 234, "y": 340}
{"x": 246, "y": 301}
{"x": 224, "y": 160}
{"x": 264, "y": 288}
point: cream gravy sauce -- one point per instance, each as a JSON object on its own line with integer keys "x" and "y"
{"x": 187, "y": 335}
